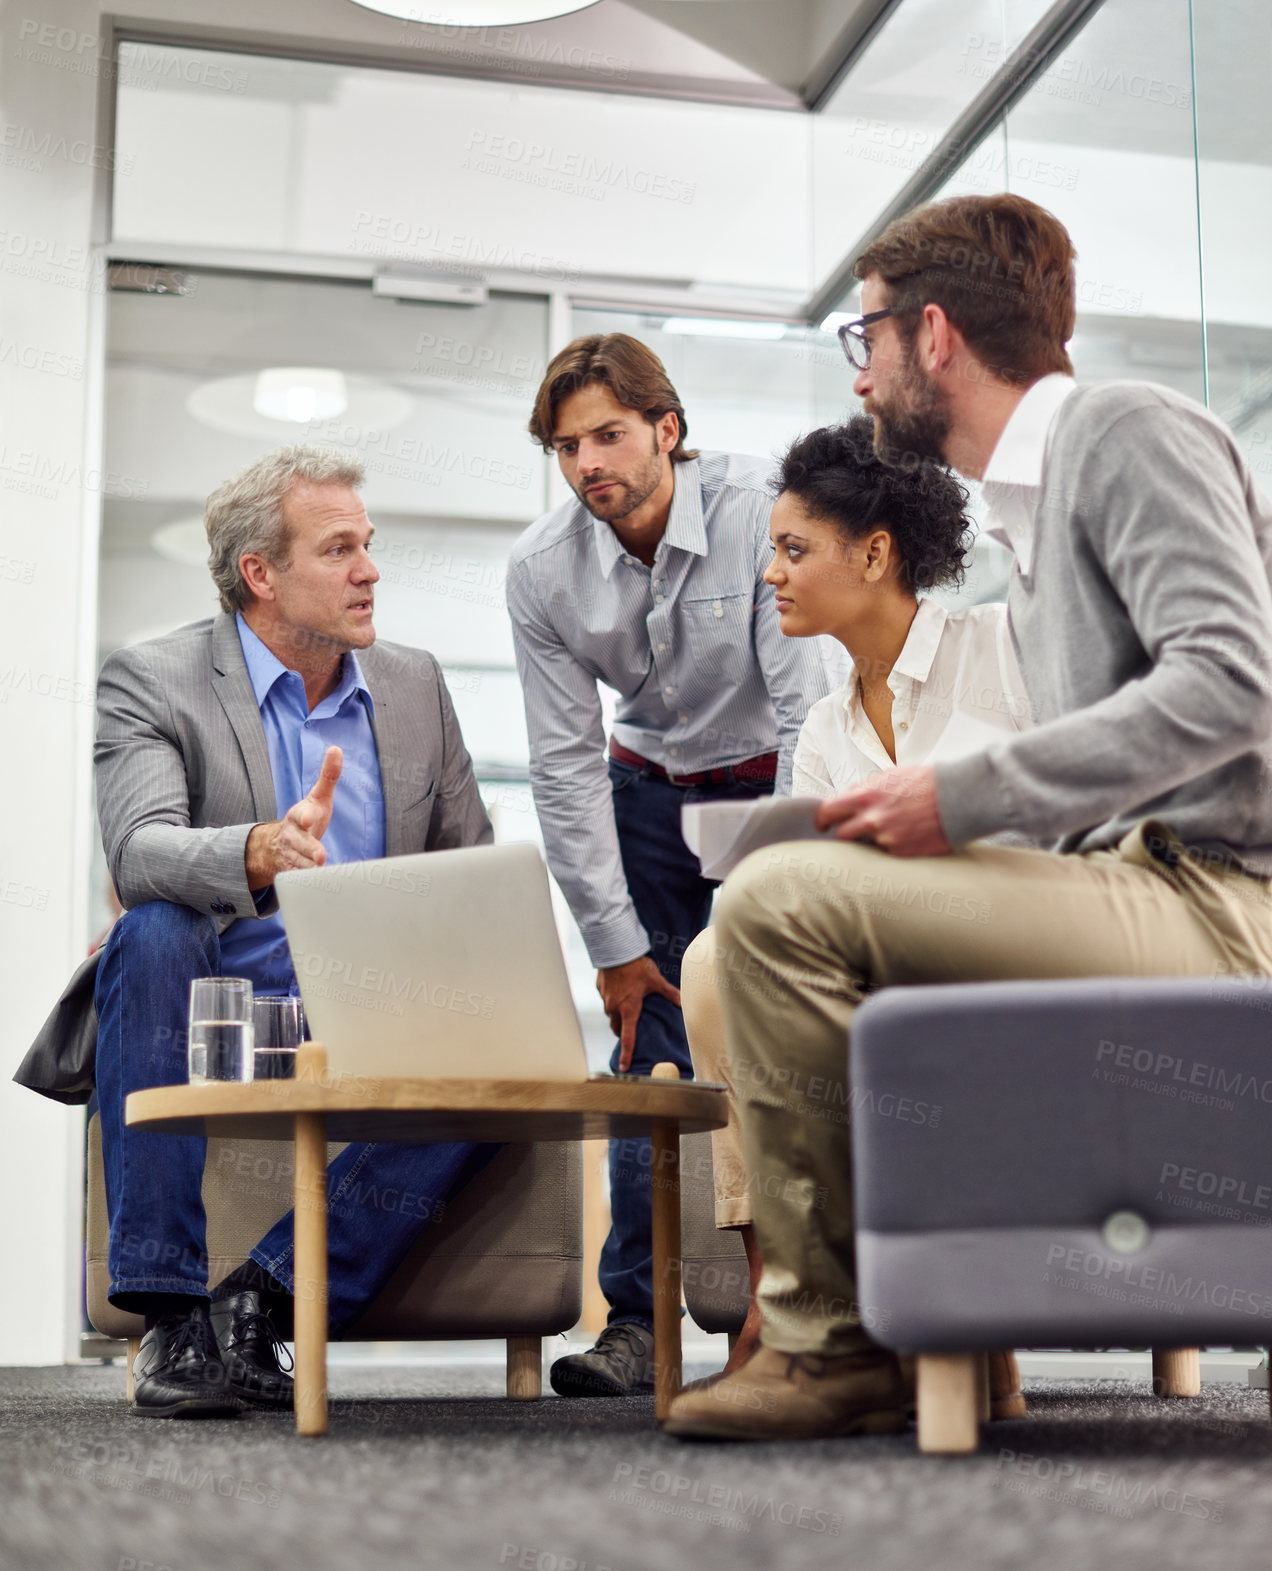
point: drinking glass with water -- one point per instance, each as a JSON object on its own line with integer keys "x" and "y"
{"x": 220, "y": 1042}
{"x": 278, "y": 1030}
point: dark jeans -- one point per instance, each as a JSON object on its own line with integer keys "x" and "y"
{"x": 379, "y": 1197}
{"x": 673, "y": 901}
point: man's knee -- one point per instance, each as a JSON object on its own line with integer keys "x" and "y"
{"x": 779, "y": 881}
{"x": 170, "y": 931}
{"x": 746, "y": 901}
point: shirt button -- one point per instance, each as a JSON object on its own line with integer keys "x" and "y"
{"x": 684, "y": 719}
{"x": 662, "y": 646}
{"x": 659, "y": 599}
{"x": 669, "y": 688}
{"x": 905, "y": 725}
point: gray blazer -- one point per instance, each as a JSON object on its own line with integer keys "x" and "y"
{"x": 183, "y": 776}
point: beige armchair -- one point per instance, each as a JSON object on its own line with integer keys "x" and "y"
{"x": 714, "y": 1269}
{"x": 505, "y": 1261}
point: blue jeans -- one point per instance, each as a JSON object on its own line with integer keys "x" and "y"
{"x": 673, "y": 901}
{"x": 379, "y": 1197}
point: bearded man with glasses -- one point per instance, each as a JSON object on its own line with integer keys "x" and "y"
{"x": 1141, "y": 613}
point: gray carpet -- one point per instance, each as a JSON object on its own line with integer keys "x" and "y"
{"x": 427, "y": 1467}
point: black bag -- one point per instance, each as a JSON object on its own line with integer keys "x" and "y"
{"x": 62, "y": 1061}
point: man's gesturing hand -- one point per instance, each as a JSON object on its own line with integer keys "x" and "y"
{"x": 623, "y": 990}
{"x": 295, "y": 840}
{"x": 897, "y": 809}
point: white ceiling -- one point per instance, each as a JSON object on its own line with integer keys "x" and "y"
{"x": 761, "y": 52}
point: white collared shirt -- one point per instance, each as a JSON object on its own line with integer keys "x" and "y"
{"x": 1012, "y": 482}
{"x": 955, "y": 687}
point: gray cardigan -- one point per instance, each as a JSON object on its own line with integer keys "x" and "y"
{"x": 1144, "y": 635}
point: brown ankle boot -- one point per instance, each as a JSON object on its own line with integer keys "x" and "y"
{"x": 1005, "y": 1397}
{"x": 796, "y": 1396}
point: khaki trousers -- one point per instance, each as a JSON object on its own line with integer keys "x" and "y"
{"x": 805, "y": 930}
{"x": 700, "y": 983}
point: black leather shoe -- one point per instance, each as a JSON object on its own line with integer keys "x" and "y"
{"x": 250, "y": 1346}
{"x": 178, "y": 1372}
{"x": 621, "y": 1363}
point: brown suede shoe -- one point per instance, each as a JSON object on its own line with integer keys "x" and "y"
{"x": 702, "y": 1383}
{"x": 1006, "y": 1400}
{"x": 796, "y": 1396}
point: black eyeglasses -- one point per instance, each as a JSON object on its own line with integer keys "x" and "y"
{"x": 852, "y": 335}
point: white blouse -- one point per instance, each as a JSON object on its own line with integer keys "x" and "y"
{"x": 956, "y": 688}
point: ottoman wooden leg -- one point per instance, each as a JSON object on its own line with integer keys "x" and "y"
{"x": 1177, "y": 1371}
{"x": 948, "y": 1396}
{"x": 982, "y": 1388}
{"x": 525, "y": 1368}
{"x": 134, "y": 1347}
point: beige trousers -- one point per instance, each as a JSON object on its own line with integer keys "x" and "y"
{"x": 704, "y": 1026}
{"x": 805, "y": 930}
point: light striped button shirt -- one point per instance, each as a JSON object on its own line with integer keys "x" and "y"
{"x": 692, "y": 647}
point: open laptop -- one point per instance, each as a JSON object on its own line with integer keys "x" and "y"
{"x": 444, "y": 965}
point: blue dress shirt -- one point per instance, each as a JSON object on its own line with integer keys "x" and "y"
{"x": 298, "y": 739}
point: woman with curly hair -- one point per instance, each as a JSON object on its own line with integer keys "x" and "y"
{"x": 856, "y": 544}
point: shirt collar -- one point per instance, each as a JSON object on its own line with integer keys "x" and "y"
{"x": 917, "y": 653}
{"x": 1021, "y": 450}
{"x": 264, "y": 669}
{"x": 1013, "y": 477}
{"x": 609, "y": 548}
{"x": 919, "y": 649}
{"x": 685, "y": 530}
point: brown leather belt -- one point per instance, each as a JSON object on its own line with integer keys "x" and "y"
{"x": 751, "y": 771}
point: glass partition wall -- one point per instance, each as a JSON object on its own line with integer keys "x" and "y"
{"x": 1151, "y": 137}
{"x": 1232, "y": 43}
{"x": 1105, "y": 139}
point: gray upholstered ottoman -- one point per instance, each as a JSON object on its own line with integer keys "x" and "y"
{"x": 1068, "y": 1164}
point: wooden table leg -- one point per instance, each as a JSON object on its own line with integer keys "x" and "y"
{"x": 665, "y": 1172}
{"x": 311, "y": 1274}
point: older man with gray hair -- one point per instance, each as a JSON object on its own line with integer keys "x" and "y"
{"x": 273, "y": 736}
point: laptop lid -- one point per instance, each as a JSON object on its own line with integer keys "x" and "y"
{"x": 438, "y": 966}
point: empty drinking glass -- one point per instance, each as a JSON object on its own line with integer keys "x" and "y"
{"x": 220, "y": 1042}
{"x": 279, "y": 1025}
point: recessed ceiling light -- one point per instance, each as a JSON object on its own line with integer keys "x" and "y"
{"x": 185, "y": 541}
{"x": 231, "y": 404}
{"x": 473, "y": 13}
{"x": 300, "y": 393}
{"x": 719, "y": 327}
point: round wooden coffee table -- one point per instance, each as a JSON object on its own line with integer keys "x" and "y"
{"x": 318, "y": 1106}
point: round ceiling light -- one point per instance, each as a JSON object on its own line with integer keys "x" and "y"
{"x": 300, "y": 393}
{"x": 474, "y": 13}
{"x": 233, "y": 404}
{"x": 184, "y": 542}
